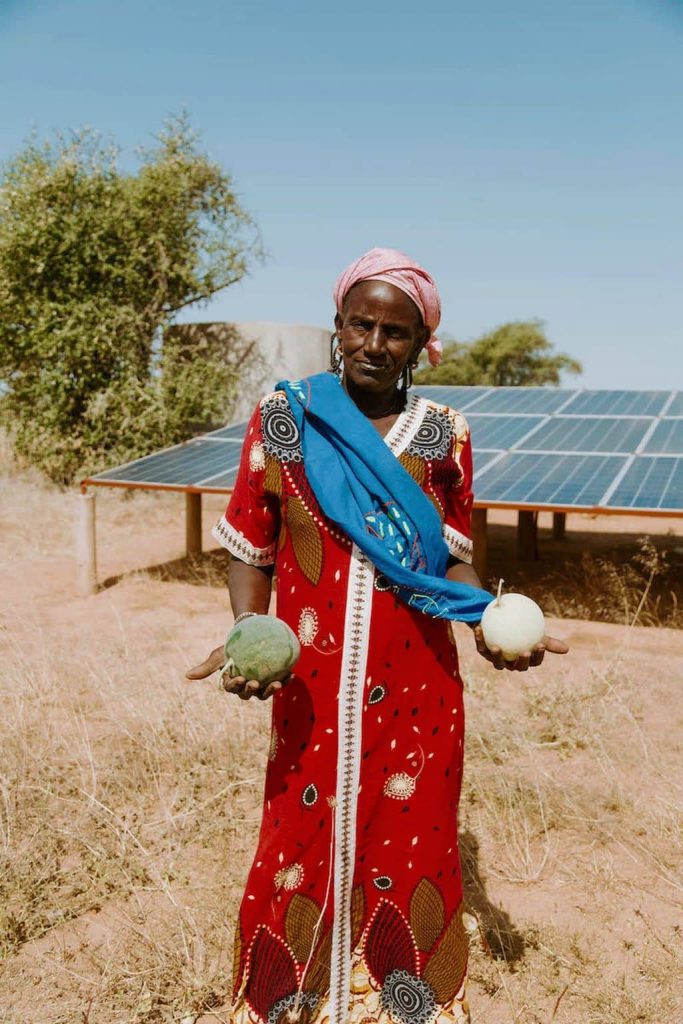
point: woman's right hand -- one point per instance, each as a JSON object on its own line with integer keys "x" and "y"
{"x": 244, "y": 688}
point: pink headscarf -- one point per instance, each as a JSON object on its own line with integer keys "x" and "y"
{"x": 398, "y": 269}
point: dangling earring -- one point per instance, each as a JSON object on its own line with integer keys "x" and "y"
{"x": 406, "y": 381}
{"x": 336, "y": 363}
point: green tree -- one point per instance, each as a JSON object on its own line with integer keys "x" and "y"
{"x": 95, "y": 264}
{"x": 516, "y": 353}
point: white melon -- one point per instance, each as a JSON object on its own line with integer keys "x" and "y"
{"x": 514, "y": 623}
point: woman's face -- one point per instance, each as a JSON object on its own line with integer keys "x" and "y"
{"x": 380, "y": 330}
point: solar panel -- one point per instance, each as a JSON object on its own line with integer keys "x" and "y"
{"x": 617, "y": 403}
{"x": 531, "y": 479}
{"x": 667, "y": 438}
{"x": 588, "y": 434}
{"x": 187, "y": 465}
{"x": 486, "y": 458}
{"x": 524, "y": 401}
{"x": 224, "y": 481}
{"x": 235, "y": 432}
{"x": 675, "y": 406}
{"x": 461, "y": 398}
{"x": 651, "y": 482}
{"x": 500, "y": 432}
{"x": 537, "y": 447}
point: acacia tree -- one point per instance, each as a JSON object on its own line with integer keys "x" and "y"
{"x": 516, "y": 353}
{"x": 95, "y": 264}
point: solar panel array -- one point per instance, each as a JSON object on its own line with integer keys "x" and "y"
{"x": 574, "y": 448}
{"x": 562, "y": 448}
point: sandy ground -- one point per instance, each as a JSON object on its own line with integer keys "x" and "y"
{"x": 571, "y": 816}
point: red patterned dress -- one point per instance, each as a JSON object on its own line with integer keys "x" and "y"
{"x": 352, "y": 909}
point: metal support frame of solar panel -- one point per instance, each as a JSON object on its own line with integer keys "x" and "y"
{"x": 207, "y": 464}
{"x": 562, "y": 449}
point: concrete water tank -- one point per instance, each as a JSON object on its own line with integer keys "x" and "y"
{"x": 287, "y": 352}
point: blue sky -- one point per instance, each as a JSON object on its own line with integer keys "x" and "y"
{"x": 529, "y": 154}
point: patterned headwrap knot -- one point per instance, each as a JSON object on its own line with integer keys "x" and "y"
{"x": 398, "y": 269}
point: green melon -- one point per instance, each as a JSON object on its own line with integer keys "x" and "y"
{"x": 261, "y": 647}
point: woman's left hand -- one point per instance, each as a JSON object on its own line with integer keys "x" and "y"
{"x": 239, "y": 685}
{"x": 247, "y": 688}
{"x": 529, "y": 659}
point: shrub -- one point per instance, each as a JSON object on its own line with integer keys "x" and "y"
{"x": 95, "y": 264}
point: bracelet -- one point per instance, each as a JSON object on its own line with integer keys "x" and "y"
{"x": 244, "y": 615}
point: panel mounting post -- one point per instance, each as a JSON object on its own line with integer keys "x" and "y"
{"x": 527, "y": 536}
{"x": 479, "y": 544}
{"x": 85, "y": 545}
{"x": 559, "y": 525}
{"x": 193, "y": 524}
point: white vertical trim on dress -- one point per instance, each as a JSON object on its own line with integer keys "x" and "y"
{"x": 359, "y": 597}
{"x": 351, "y": 689}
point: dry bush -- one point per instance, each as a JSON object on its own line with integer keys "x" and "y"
{"x": 643, "y": 590}
{"x": 8, "y": 465}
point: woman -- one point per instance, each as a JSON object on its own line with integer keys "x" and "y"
{"x": 360, "y": 496}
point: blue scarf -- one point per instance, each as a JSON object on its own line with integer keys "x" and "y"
{"x": 361, "y": 486}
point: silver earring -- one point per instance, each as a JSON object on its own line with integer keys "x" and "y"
{"x": 336, "y": 363}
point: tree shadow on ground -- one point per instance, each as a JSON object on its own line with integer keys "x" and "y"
{"x": 499, "y": 932}
{"x": 207, "y": 569}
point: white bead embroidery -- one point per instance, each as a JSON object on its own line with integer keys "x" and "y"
{"x": 257, "y": 457}
{"x": 308, "y": 626}
{"x": 399, "y": 786}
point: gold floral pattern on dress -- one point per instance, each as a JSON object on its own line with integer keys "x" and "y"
{"x": 427, "y": 914}
{"x": 414, "y": 465}
{"x": 273, "y": 991}
{"x": 414, "y": 990}
{"x": 291, "y": 975}
{"x": 306, "y": 539}
{"x": 364, "y": 1006}
{"x": 272, "y": 480}
{"x": 447, "y": 965}
{"x": 366, "y": 1003}
{"x": 301, "y": 921}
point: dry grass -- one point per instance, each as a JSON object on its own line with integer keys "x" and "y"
{"x": 130, "y": 805}
{"x": 642, "y": 590}
{"x": 130, "y": 802}
{"x": 570, "y": 794}
{"x": 124, "y": 803}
